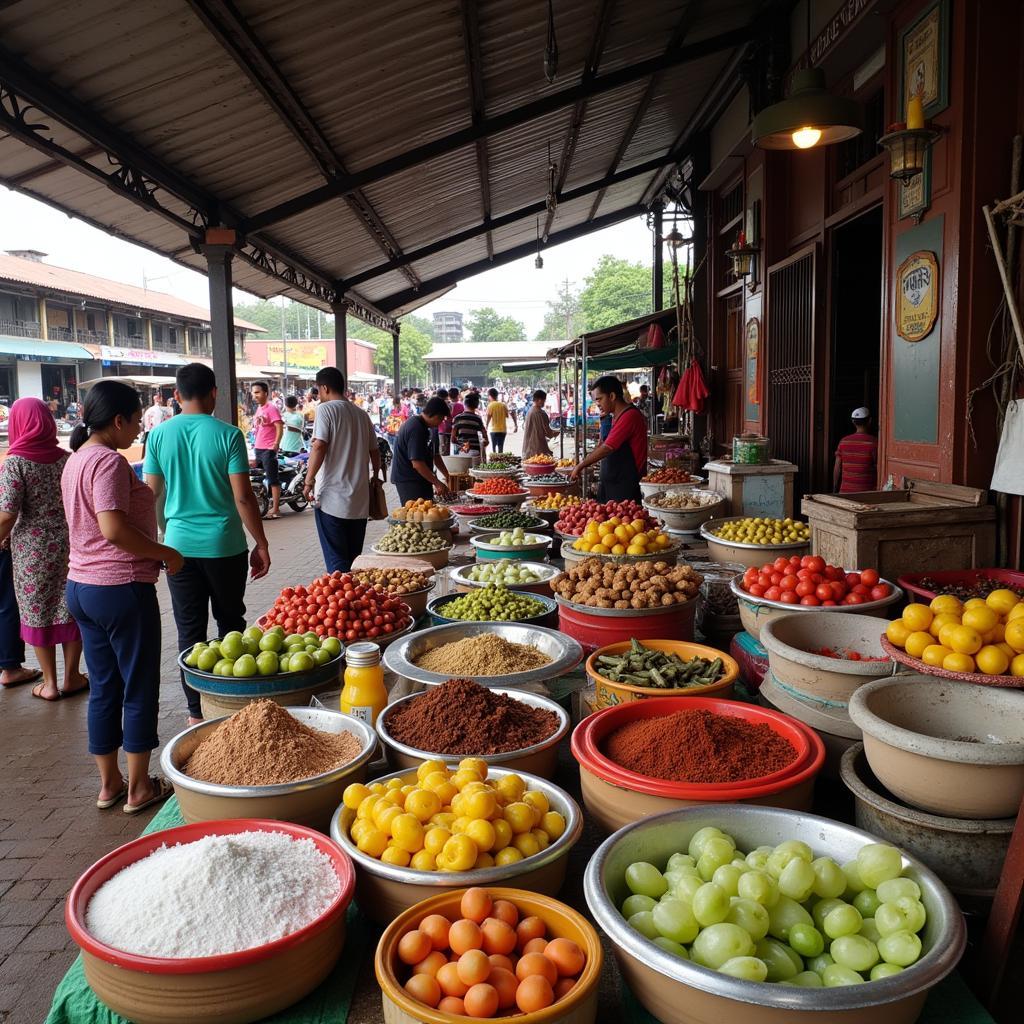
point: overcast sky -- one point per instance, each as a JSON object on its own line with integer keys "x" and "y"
{"x": 516, "y": 289}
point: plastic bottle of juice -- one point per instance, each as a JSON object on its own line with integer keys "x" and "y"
{"x": 363, "y": 695}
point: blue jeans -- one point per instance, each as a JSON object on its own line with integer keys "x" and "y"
{"x": 341, "y": 540}
{"x": 498, "y": 440}
{"x": 121, "y": 641}
{"x": 12, "y": 648}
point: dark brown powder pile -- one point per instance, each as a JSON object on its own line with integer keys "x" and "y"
{"x": 463, "y": 717}
{"x": 263, "y": 745}
{"x": 699, "y": 746}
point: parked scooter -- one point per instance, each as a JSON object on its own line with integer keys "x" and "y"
{"x": 292, "y": 474}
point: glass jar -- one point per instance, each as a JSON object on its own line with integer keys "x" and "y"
{"x": 718, "y": 615}
{"x": 750, "y": 450}
{"x": 364, "y": 695}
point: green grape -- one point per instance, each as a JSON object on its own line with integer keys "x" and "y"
{"x": 741, "y": 863}
{"x": 671, "y": 947}
{"x": 700, "y": 837}
{"x": 782, "y": 962}
{"x": 687, "y": 887}
{"x": 836, "y": 974}
{"x": 797, "y": 879}
{"x": 748, "y": 968}
{"x": 760, "y": 887}
{"x": 675, "y": 920}
{"x": 635, "y": 904}
{"x": 710, "y": 904}
{"x": 643, "y": 922}
{"x": 867, "y": 902}
{"x": 822, "y": 907}
{"x": 877, "y": 863}
{"x": 893, "y": 888}
{"x": 854, "y": 883}
{"x": 891, "y": 917}
{"x": 806, "y": 939}
{"x": 719, "y": 849}
{"x": 819, "y": 963}
{"x": 841, "y": 921}
{"x": 750, "y": 916}
{"x": 884, "y": 970}
{"x": 777, "y": 860}
{"x": 796, "y": 848}
{"x": 806, "y": 979}
{"x": 720, "y": 942}
{"x": 854, "y": 951}
{"x": 679, "y": 861}
{"x": 869, "y": 930}
{"x": 914, "y": 912}
{"x": 829, "y": 880}
{"x": 758, "y": 859}
{"x": 727, "y": 877}
{"x": 900, "y": 948}
{"x": 645, "y": 879}
{"x": 784, "y": 915}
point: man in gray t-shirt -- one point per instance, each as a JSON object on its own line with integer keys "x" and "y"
{"x": 336, "y": 476}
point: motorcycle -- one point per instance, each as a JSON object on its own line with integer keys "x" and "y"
{"x": 384, "y": 447}
{"x": 292, "y": 474}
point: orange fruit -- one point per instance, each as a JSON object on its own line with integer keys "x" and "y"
{"x": 1015, "y": 634}
{"x": 991, "y": 661}
{"x": 897, "y": 632}
{"x": 1001, "y": 601}
{"x": 917, "y": 642}
{"x": 945, "y": 633}
{"x": 946, "y": 604}
{"x": 982, "y": 619}
{"x": 935, "y": 654}
{"x": 975, "y": 602}
{"x": 917, "y": 617}
{"x": 1017, "y": 666}
{"x": 965, "y": 640}
{"x": 958, "y": 663}
{"x": 1015, "y": 612}
{"x": 943, "y": 619}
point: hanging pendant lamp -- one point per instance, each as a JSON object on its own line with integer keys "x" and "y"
{"x": 809, "y": 116}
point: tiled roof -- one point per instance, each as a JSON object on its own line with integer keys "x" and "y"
{"x": 74, "y": 282}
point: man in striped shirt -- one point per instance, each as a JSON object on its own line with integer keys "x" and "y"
{"x": 856, "y": 466}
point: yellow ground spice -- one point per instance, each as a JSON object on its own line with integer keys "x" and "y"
{"x": 485, "y": 655}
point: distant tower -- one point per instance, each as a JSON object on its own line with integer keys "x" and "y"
{"x": 447, "y": 327}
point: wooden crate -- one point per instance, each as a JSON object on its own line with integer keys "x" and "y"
{"x": 924, "y": 528}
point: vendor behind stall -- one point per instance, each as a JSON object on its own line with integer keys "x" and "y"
{"x": 415, "y": 457}
{"x": 623, "y": 453}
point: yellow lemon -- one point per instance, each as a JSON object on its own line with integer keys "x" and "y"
{"x": 1001, "y": 601}
{"x": 975, "y": 602}
{"x": 1015, "y": 634}
{"x": 918, "y": 641}
{"x": 996, "y": 634}
{"x": 917, "y": 617}
{"x": 619, "y": 549}
{"x": 982, "y": 619}
{"x": 1015, "y": 612}
{"x": 945, "y": 632}
{"x": 946, "y": 604}
{"x": 958, "y": 663}
{"x": 935, "y": 654}
{"x": 604, "y": 529}
{"x": 943, "y": 619}
{"x": 1007, "y": 650}
{"x": 964, "y": 640}
{"x": 636, "y": 549}
{"x": 622, "y": 533}
{"x": 897, "y": 632}
{"x": 992, "y": 661}
{"x": 1017, "y": 666}
{"x": 638, "y": 524}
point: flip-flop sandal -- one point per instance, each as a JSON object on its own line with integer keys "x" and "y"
{"x": 163, "y": 790}
{"x": 268, "y": 516}
{"x": 33, "y": 676}
{"x": 105, "y": 805}
{"x": 37, "y": 693}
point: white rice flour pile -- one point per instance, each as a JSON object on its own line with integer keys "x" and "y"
{"x": 219, "y": 894}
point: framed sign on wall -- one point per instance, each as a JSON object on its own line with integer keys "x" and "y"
{"x": 917, "y": 295}
{"x": 924, "y": 59}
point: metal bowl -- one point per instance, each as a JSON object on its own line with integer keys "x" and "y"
{"x": 385, "y": 890}
{"x": 485, "y": 544}
{"x": 649, "y": 489}
{"x": 305, "y": 802}
{"x": 687, "y": 519}
{"x": 539, "y": 758}
{"x": 744, "y": 553}
{"x": 427, "y": 524}
{"x": 476, "y": 529}
{"x": 547, "y": 617}
{"x": 416, "y": 599}
{"x": 437, "y": 558}
{"x": 487, "y": 474}
{"x": 680, "y": 992}
{"x": 545, "y": 570}
{"x": 499, "y": 499}
{"x": 669, "y": 554}
{"x": 564, "y": 652}
{"x": 755, "y": 612}
{"x": 457, "y": 464}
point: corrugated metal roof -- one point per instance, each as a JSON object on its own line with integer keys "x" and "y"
{"x": 18, "y": 270}
{"x": 374, "y": 81}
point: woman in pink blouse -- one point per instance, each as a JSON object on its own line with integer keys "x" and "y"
{"x": 111, "y": 591}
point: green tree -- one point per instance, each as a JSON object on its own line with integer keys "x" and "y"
{"x": 564, "y": 319}
{"x": 413, "y": 345}
{"x": 617, "y": 291}
{"x": 486, "y": 325}
{"x": 423, "y": 324}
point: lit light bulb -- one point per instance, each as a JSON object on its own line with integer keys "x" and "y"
{"x": 804, "y": 138}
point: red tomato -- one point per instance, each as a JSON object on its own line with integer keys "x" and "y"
{"x": 805, "y": 561}
{"x": 833, "y": 573}
{"x": 756, "y": 590}
{"x": 823, "y": 592}
{"x": 789, "y": 597}
{"x": 882, "y": 590}
{"x": 852, "y": 579}
{"x": 794, "y": 561}
{"x": 862, "y": 590}
{"x": 829, "y": 604}
{"x": 870, "y": 577}
{"x": 776, "y": 578}
{"x": 780, "y": 563}
{"x": 816, "y": 563}
{"x": 838, "y": 589}
{"x": 764, "y": 580}
{"x": 810, "y": 600}
{"x": 788, "y": 582}
{"x": 772, "y": 594}
{"x": 853, "y": 598}
{"x": 804, "y": 588}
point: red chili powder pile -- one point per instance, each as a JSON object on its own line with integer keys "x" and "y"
{"x": 699, "y": 746}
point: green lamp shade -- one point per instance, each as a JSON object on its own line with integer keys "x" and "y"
{"x": 809, "y": 105}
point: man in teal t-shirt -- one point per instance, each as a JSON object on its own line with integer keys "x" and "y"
{"x": 198, "y": 468}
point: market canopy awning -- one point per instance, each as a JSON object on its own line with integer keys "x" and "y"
{"x": 44, "y": 351}
{"x": 347, "y": 173}
{"x": 135, "y": 380}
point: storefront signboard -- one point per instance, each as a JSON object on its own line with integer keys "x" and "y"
{"x": 116, "y": 354}
{"x": 917, "y": 295}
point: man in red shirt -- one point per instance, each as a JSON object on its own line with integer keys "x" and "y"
{"x": 623, "y": 453}
{"x": 856, "y": 466}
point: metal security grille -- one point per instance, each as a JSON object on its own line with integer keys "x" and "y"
{"x": 790, "y": 348}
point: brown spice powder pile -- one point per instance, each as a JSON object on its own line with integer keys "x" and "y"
{"x": 463, "y": 717}
{"x": 484, "y": 655}
{"x": 263, "y": 745}
{"x": 699, "y": 746}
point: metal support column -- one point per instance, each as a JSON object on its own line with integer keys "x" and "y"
{"x": 219, "y": 250}
{"x": 397, "y": 360}
{"x": 340, "y": 311}
{"x": 657, "y": 263}
{"x": 561, "y": 413}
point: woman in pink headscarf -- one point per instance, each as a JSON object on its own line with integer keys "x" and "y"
{"x": 32, "y": 521}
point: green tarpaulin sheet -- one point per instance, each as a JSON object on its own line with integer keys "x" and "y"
{"x": 74, "y": 1002}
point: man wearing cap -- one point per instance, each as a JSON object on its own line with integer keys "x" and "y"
{"x": 856, "y": 466}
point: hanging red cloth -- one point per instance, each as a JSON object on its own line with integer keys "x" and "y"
{"x": 692, "y": 390}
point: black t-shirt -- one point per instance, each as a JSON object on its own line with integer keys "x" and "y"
{"x": 412, "y": 441}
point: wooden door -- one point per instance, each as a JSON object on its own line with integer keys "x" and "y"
{"x": 789, "y": 362}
